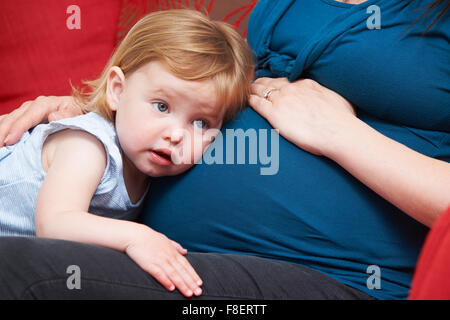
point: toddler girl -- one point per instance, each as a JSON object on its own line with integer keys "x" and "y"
{"x": 166, "y": 91}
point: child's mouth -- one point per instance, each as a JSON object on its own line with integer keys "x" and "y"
{"x": 161, "y": 157}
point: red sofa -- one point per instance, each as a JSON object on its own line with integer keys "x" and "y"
{"x": 432, "y": 276}
{"x": 44, "y": 45}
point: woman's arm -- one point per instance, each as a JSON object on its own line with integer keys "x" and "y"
{"x": 320, "y": 121}
{"x": 75, "y": 162}
{"x": 416, "y": 184}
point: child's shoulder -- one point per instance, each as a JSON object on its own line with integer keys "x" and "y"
{"x": 72, "y": 143}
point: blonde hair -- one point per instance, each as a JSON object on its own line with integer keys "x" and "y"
{"x": 192, "y": 46}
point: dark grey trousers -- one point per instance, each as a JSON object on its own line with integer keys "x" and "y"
{"x": 56, "y": 269}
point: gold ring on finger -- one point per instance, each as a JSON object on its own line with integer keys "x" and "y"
{"x": 268, "y": 93}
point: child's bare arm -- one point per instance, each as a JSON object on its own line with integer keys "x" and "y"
{"x": 75, "y": 162}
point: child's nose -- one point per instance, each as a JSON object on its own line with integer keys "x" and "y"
{"x": 176, "y": 136}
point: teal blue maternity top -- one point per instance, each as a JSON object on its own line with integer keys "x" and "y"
{"x": 307, "y": 209}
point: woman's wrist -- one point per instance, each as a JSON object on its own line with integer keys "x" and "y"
{"x": 343, "y": 137}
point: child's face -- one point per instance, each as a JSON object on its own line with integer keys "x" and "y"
{"x": 163, "y": 122}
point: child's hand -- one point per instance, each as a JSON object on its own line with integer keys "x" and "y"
{"x": 164, "y": 259}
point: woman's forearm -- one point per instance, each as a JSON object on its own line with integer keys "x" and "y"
{"x": 416, "y": 184}
{"x": 322, "y": 122}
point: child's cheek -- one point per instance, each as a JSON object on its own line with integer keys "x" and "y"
{"x": 193, "y": 151}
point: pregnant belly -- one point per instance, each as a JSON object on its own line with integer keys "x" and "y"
{"x": 310, "y": 212}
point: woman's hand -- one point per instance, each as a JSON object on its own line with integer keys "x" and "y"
{"x": 322, "y": 122}
{"x": 305, "y": 112}
{"x": 31, "y": 113}
{"x": 164, "y": 259}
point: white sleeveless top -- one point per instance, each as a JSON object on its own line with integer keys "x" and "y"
{"x": 21, "y": 176}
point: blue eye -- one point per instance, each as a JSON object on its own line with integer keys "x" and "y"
{"x": 200, "y": 124}
{"x": 161, "y": 107}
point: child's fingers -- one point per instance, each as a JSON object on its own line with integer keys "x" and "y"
{"x": 188, "y": 267}
{"x": 187, "y": 273}
{"x": 179, "y": 248}
{"x": 178, "y": 276}
{"x": 160, "y": 275}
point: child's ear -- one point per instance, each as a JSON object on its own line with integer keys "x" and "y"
{"x": 115, "y": 82}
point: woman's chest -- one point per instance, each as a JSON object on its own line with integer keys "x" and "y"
{"x": 389, "y": 71}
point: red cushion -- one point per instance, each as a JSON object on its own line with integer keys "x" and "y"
{"x": 39, "y": 53}
{"x": 431, "y": 279}
{"x": 235, "y": 12}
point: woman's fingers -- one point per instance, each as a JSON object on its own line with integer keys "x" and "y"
{"x": 260, "y": 105}
{"x": 67, "y": 107}
{"x": 276, "y": 83}
{"x": 258, "y": 89}
{"x": 31, "y": 113}
{"x": 59, "y": 115}
{"x": 12, "y": 125}
{"x": 266, "y": 92}
{"x": 261, "y": 100}
{"x": 3, "y": 130}
{"x": 28, "y": 115}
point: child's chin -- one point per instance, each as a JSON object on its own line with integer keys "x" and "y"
{"x": 168, "y": 171}
{"x": 179, "y": 169}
